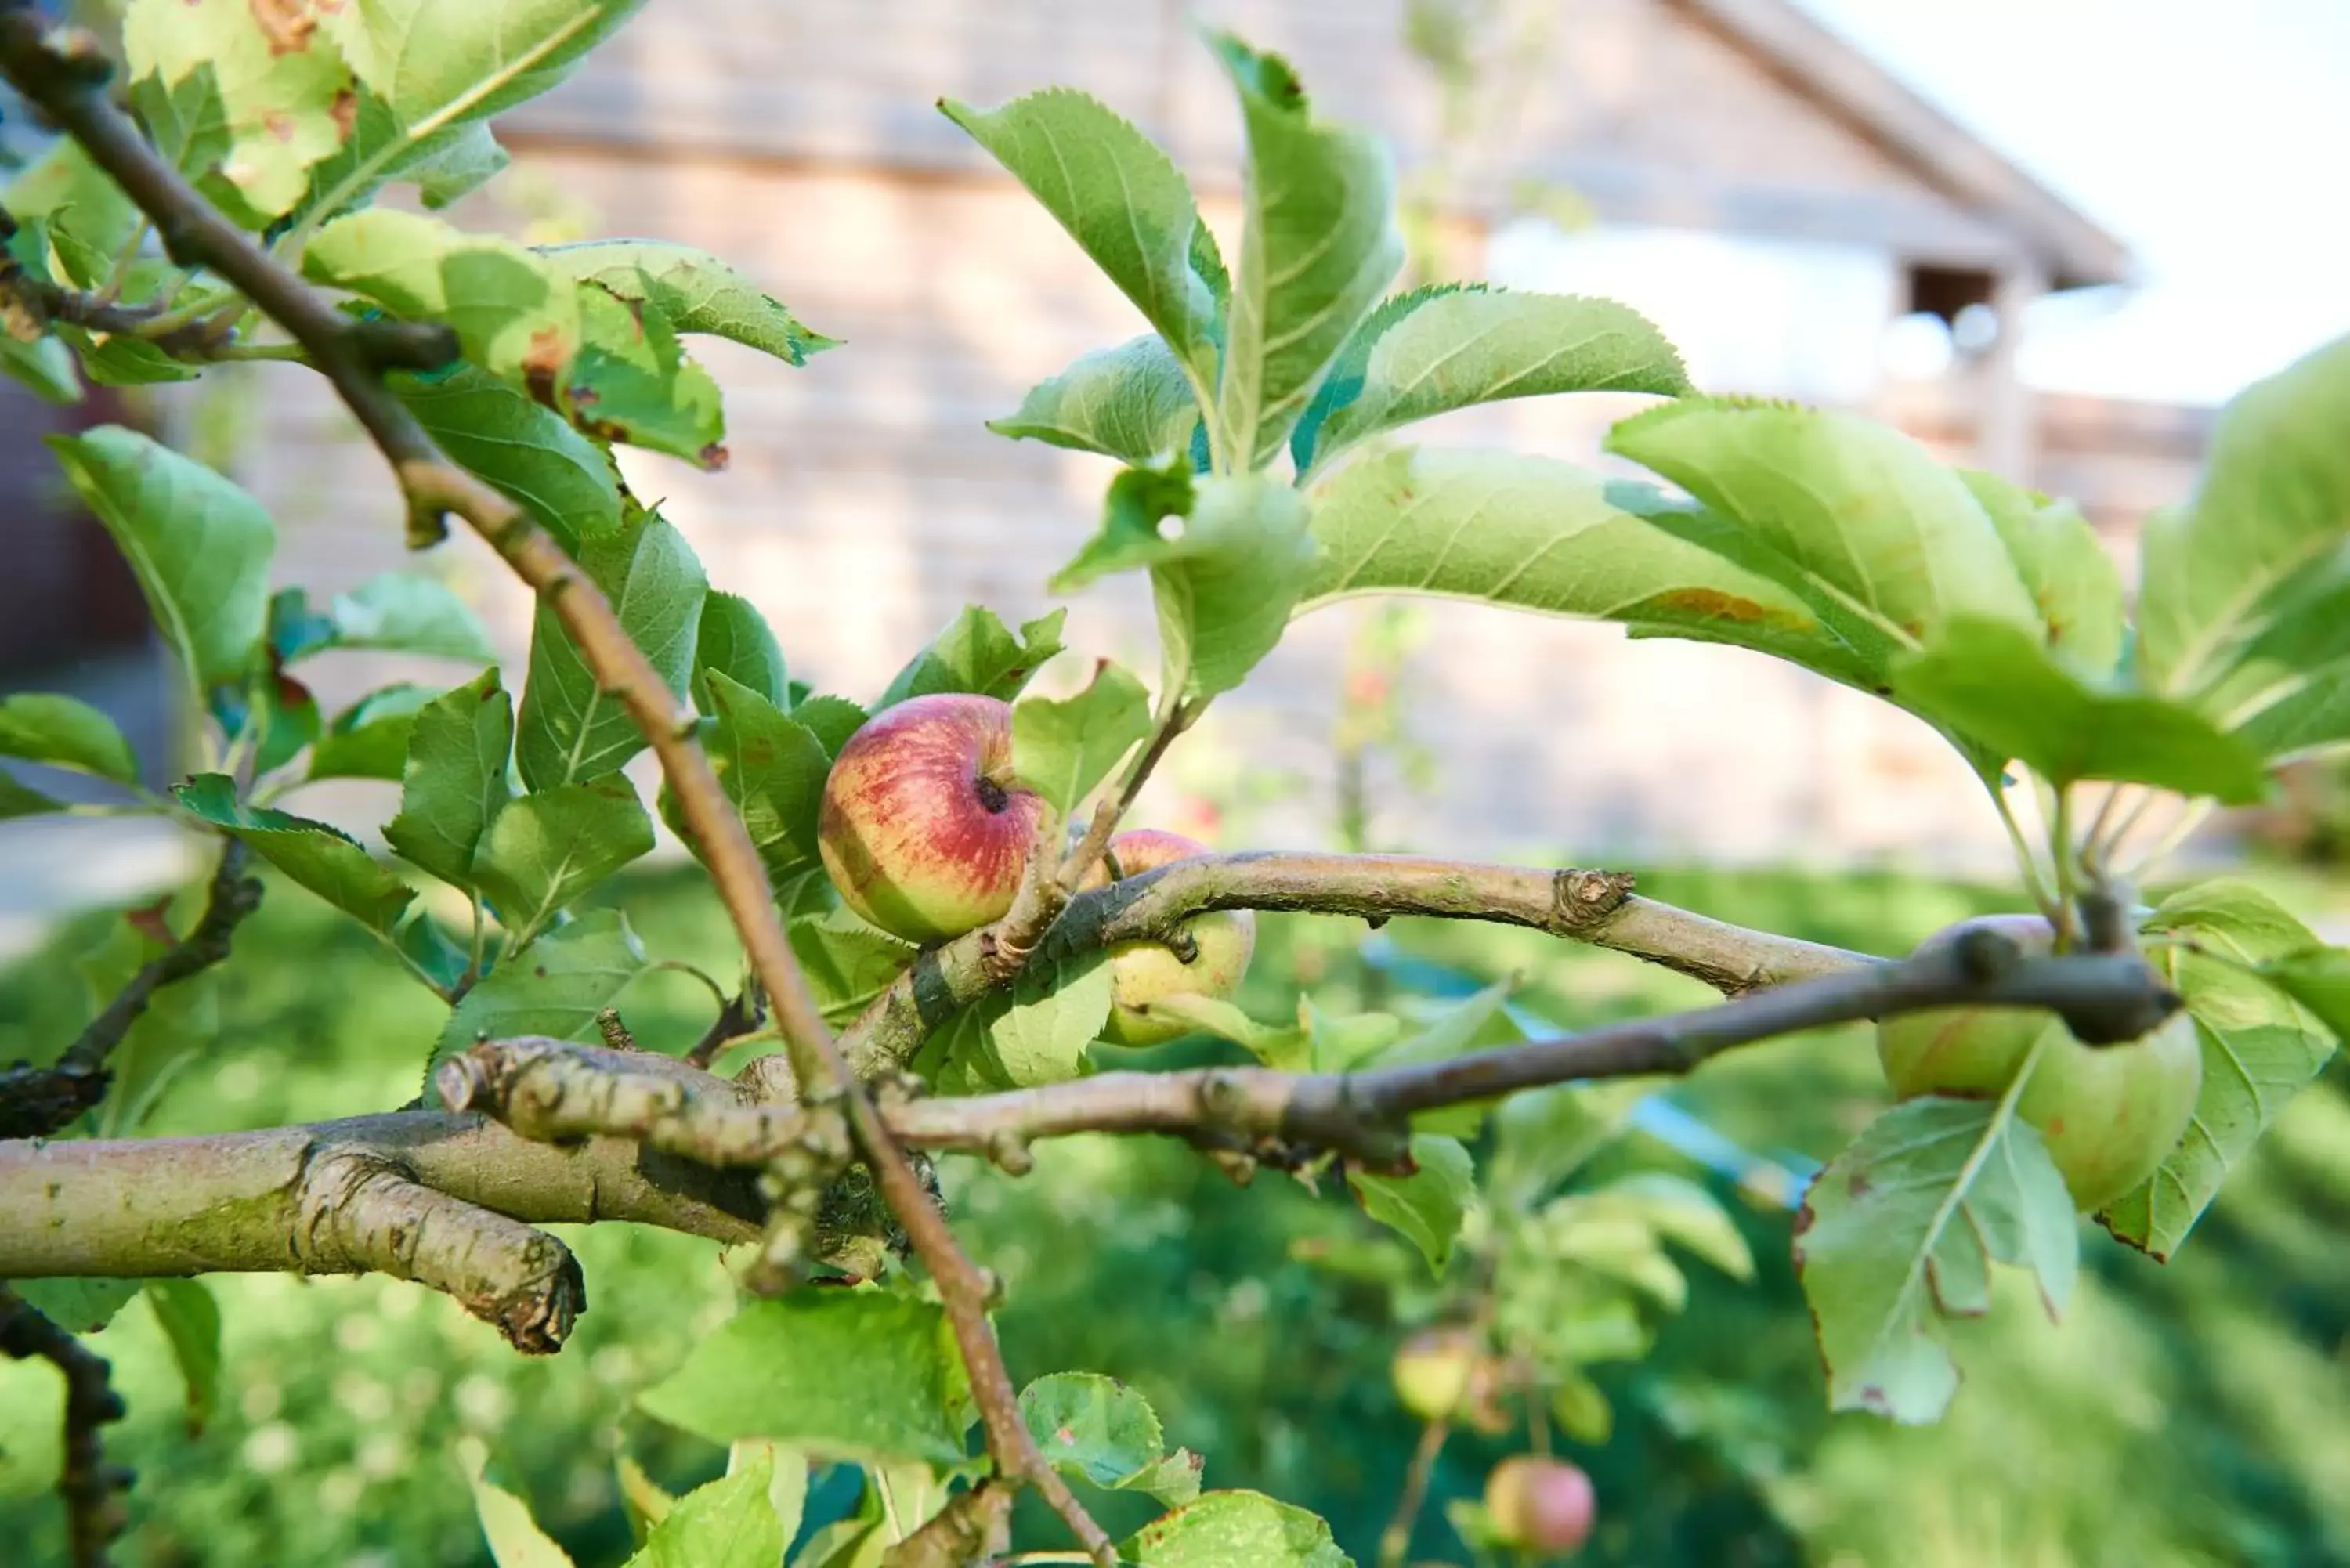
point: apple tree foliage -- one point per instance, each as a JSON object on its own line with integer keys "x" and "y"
{"x": 1263, "y": 423}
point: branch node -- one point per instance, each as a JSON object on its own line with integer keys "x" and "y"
{"x": 614, "y": 1031}
{"x": 1983, "y": 954}
{"x": 1009, "y": 1150}
{"x": 1581, "y": 897}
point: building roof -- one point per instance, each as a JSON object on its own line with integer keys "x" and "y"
{"x": 1858, "y": 92}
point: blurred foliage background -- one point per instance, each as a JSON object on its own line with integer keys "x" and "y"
{"x": 2189, "y": 1415}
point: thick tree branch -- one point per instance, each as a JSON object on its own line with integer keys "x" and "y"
{"x": 37, "y": 1100}
{"x": 442, "y": 1199}
{"x": 1595, "y": 907}
{"x": 552, "y": 1090}
{"x": 64, "y": 73}
{"x": 90, "y": 1486}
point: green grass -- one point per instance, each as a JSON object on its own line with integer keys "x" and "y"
{"x": 2199, "y": 1413}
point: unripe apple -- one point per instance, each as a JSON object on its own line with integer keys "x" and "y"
{"x": 924, "y": 829}
{"x": 1540, "y": 1504}
{"x": 2108, "y": 1114}
{"x": 1145, "y": 972}
{"x": 1441, "y": 1375}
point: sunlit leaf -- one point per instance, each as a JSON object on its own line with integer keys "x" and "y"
{"x": 848, "y": 1371}
{"x": 198, "y": 544}
{"x": 317, "y": 857}
{"x": 1449, "y": 346}
{"x": 1901, "y": 1230}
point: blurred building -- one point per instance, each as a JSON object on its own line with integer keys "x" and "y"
{"x": 1798, "y": 221}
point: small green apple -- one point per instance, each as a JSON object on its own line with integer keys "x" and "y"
{"x": 2108, "y": 1114}
{"x": 1442, "y": 1375}
{"x": 1540, "y": 1504}
{"x": 924, "y": 828}
{"x": 1144, "y": 973}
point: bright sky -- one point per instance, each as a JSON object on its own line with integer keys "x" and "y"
{"x": 2211, "y": 137}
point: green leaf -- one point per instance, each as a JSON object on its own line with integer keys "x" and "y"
{"x": 2273, "y": 502}
{"x": 848, "y": 963}
{"x": 2064, "y": 567}
{"x": 1317, "y": 1042}
{"x": 1063, "y": 749}
{"x": 546, "y": 850}
{"x": 1996, "y": 685}
{"x": 198, "y": 544}
{"x": 2259, "y": 1048}
{"x": 1904, "y": 1225}
{"x": 243, "y": 98}
{"x": 724, "y": 1523}
{"x": 772, "y": 767}
{"x": 1319, "y": 245}
{"x": 527, "y": 451}
{"x": 77, "y": 1306}
{"x": 310, "y": 853}
{"x": 734, "y": 640}
{"x": 1677, "y": 1210}
{"x": 1125, "y": 203}
{"x": 516, "y": 1540}
{"x": 1858, "y": 507}
{"x": 695, "y": 290}
{"x": 1532, "y": 533}
{"x": 454, "y": 163}
{"x": 975, "y": 653}
{"x": 83, "y": 213}
{"x": 514, "y": 315}
{"x": 1099, "y": 1428}
{"x": 1041, "y": 1037}
{"x": 570, "y": 974}
{"x": 1437, "y": 349}
{"x": 368, "y": 740}
{"x": 438, "y": 62}
{"x": 1225, "y": 587}
{"x": 1227, "y": 1529}
{"x": 433, "y": 953}
{"x": 788, "y": 1491}
{"x": 43, "y": 364}
{"x": 851, "y": 1373}
{"x": 1132, "y": 401}
{"x": 405, "y": 613}
{"x": 22, "y": 800}
{"x": 65, "y": 732}
{"x": 2319, "y": 979}
{"x": 1427, "y": 1205}
{"x": 1282, "y": 1046}
{"x": 831, "y": 720}
{"x": 632, "y": 382}
{"x": 278, "y": 709}
{"x": 1544, "y": 1136}
{"x": 1227, "y": 558}
{"x": 190, "y": 1320}
{"x": 570, "y": 728}
{"x": 454, "y": 782}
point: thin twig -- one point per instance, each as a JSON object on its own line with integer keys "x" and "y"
{"x": 90, "y": 1486}
{"x": 64, "y": 72}
{"x": 1395, "y": 1541}
{"x": 741, "y": 1014}
{"x": 37, "y": 1100}
{"x": 1175, "y": 717}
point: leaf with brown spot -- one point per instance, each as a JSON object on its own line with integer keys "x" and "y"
{"x": 1533, "y": 532}
{"x": 240, "y": 95}
{"x": 1903, "y": 1228}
